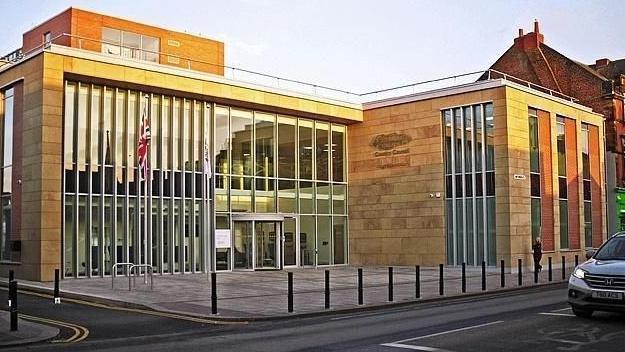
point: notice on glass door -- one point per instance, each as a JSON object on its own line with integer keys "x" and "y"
{"x": 222, "y": 238}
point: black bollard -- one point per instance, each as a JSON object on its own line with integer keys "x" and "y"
{"x": 327, "y": 295}
{"x": 214, "y": 293}
{"x": 563, "y": 268}
{"x": 441, "y": 286}
{"x": 417, "y": 282}
{"x": 360, "y": 298}
{"x": 483, "y": 275}
{"x": 535, "y": 274}
{"x": 390, "y": 284}
{"x": 290, "y": 292}
{"x": 464, "y": 277}
{"x": 57, "y": 297}
{"x": 503, "y": 273}
{"x": 520, "y": 263}
{"x": 576, "y": 260}
{"x": 11, "y": 275}
{"x": 13, "y": 304}
{"x": 550, "y": 272}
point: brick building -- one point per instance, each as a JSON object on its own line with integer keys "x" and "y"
{"x": 599, "y": 86}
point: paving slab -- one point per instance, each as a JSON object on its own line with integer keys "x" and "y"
{"x": 28, "y": 332}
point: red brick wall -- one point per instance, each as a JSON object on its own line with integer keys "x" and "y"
{"x": 546, "y": 182}
{"x": 57, "y": 25}
{"x": 595, "y": 187}
{"x": 207, "y": 55}
{"x": 572, "y": 178}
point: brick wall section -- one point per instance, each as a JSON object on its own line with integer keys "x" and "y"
{"x": 546, "y": 180}
{"x": 207, "y": 54}
{"x": 595, "y": 187}
{"x": 572, "y": 178}
{"x": 59, "y": 24}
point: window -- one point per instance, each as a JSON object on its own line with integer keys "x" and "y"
{"x": 586, "y": 185}
{"x": 47, "y": 39}
{"x": 6, "y": 243}
{"x": 130, "y": 45}
{"x": 470, "y": 184}
{"x": 534, "y": 173}
{"x": 562, "y": 182}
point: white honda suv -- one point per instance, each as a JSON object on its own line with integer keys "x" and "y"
{"x": 599, "y": 283}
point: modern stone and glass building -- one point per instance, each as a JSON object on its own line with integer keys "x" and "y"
{"x": 460, "y": 174}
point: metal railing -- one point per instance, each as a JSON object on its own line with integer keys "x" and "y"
{"x": 148, "y": 268}
{"x": 114, "y": 271}
{"x": 267, "y": 80}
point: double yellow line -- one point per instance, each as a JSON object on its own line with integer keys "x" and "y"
{"x": 80, "y": 332}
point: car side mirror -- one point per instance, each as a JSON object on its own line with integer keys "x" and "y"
{"x": 590, "y": 253}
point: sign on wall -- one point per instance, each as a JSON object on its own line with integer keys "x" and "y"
{"x": 390, "y": 149}
{"x": 222, "y": 239}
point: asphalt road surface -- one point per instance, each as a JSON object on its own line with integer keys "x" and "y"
{"x": 535, "y": 320}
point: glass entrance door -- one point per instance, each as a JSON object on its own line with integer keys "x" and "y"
{"x": 267, "y": 234}
{"x": 243, "y": 245}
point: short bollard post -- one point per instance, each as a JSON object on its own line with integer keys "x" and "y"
{"x": 441, "y": 286}
{"x": 11, "y": 275}
{"x": 417, "y": 282}
{"x": 520, "y": 272}
{"x": 563, "y": 268}
{"x": 327, "y": 295}
{"x": 576, "y": 260}
{"x": 550, "y": 272}
{"x": 13, "y": 304}
{"x": 290, "y": 292}
{"x": 464, "y": 277}
{"x": 360, "y": 298}
{"x": 57, "y": 296}
{"x": 390, "y": 284}
{"x": 535, "y": 274}
{"x": 503, "y": 273}
{"x": 214, "y": 293}
{"x": 483, "y": 275}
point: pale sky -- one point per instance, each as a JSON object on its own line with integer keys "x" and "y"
{"x": 360, "y": 45}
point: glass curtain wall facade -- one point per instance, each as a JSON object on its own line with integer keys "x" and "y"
{"x": 262, "y": 164}
{"x": 267, "y": 163}
{"x": 470, "y": 184}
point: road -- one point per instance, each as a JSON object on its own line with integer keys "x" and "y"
{"x": 536, "y": 320}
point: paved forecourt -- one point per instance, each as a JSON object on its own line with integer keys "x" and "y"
{"x": 263, "y": 294}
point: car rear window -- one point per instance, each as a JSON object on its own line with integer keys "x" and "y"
{"x": 613, "y": 249}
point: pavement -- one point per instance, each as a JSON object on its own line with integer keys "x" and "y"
{"x": 262, "y": 295}
{"x": 28, "y": 332}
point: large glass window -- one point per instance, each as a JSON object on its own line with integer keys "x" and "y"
{"x": 470, "y": 187}
{"x": 130, "y": 45}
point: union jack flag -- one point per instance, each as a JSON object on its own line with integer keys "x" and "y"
{"x": 207, "y": 162}
{"x": 144, "y": 146}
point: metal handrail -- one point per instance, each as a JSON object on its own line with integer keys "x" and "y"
{"x": 114, "y": 272}
{"x": 355, "y": 97}
{"x": 133, "y": 278}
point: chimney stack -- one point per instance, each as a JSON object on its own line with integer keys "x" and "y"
{"x": 536, "y": 27}
{"x": 602, "y": 62}
{"x": 531, "y": 40}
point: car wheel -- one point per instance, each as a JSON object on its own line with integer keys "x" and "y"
{"x": 581, "y": 312}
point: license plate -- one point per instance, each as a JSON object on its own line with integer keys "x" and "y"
{"x": 607, "y": 295}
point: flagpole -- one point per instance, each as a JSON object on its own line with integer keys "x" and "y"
{"x": 145, "y": 193}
